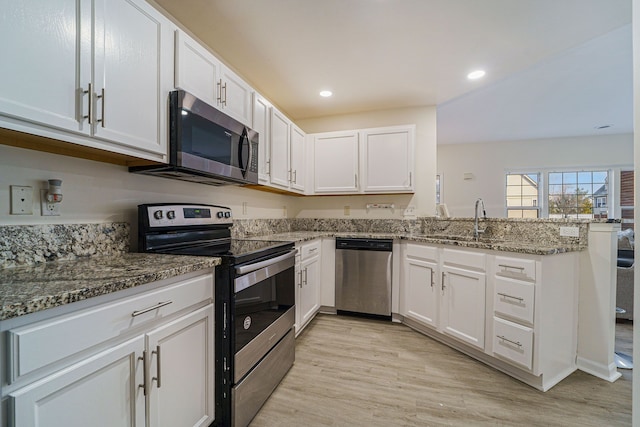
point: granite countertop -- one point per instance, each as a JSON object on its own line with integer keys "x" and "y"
{"x": 31, "y": 288}
{"x": 541, "y": 248}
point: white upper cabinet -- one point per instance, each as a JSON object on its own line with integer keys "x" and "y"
{"x": 203, "y": 75}
{"x": 287, "y": 154}
{"x": 379, "y": 160}
{"x": 261, "y": 124}
{"x": 234, "y": 96}
{"x": 297, "y": 143}
{"x": 387, "y": 159}
{"x": 335, "y": 157}
{"x": 280, "y": 170}
{"x": 196, "y": 69}
{"x": 87, "y": 67}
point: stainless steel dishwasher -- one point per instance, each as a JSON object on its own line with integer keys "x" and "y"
{"x": 363, "y": 276}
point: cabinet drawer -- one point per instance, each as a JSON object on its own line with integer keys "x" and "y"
{"x": 422, "y": 252}
{"x": 524, "y": 269}
{"x": 310, "y": 250}
{"x": 513, "y": 342}
{"x": 514, "y": 298}
{"x": 467, "y": 259}
{"x": 35, "y": 346}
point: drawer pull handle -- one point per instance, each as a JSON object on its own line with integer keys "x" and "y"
{"x": 146, "y": 310}
{"x": 313, "y": 249}
{"x": 506, "y": 267}
{"x": 157, "y": 377}
{"x": 508, "y": 340}
{"x": 510, "y": 296}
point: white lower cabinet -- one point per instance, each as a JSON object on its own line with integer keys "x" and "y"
{"x": 516, "y": 312}
{"x": 101, "y": 391}
{"x": 308, "y": 265}
{"x": 152, "y": 364}
{"x": 421, "y": 296}
{"x": 463, "y": 305}
{"x": 181, "y": 384}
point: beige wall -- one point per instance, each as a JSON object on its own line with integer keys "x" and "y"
{"x": 488, "y": 162}
{"x": 425, "y": 167}
{"x": 101, "y": 192}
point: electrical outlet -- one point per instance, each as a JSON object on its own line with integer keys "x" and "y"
{"x": 284, "y": 211}
{"x": 570, "y": 231}
{"x": 244, "y": 208}
{"x": 347, "y": 210}
{"x": 48, "y": 208}
{"x": 409, "y": 211}
{"x": 21, "y": 200}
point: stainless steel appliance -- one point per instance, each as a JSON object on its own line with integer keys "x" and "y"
{"x": 206, "y": 145}
{"x": 363, "y": 276}
{"x": 254, "y": 301}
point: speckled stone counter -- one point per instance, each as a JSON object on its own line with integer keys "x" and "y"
{"x": 528, "y": 236}
{"x": 31, "y": 288}
{"x": 461, "y": 241}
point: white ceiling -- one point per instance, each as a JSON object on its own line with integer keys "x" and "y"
{"x": 554, "y": 67}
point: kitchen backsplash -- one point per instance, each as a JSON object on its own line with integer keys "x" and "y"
{"x": 32, "y": 244}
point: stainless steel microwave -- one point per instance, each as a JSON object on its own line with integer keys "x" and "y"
{"x": 206, "y": 145}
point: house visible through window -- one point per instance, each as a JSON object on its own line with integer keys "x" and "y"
{"x": 578, "y": 194}
{"x": 523, "y": 193}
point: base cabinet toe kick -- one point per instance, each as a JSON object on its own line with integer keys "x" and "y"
{"x": 515, "y": 312}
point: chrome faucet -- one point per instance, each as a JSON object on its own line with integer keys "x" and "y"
{"x": 476, "y": 229}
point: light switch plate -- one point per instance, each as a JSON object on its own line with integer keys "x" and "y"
{"x": 570, "y": 231}
{"x": 21, "y": 200}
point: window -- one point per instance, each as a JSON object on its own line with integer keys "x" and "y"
{"x": 578, "y": 194}
{"x": 522, "y": 194}
{"x": 626, "y": 198}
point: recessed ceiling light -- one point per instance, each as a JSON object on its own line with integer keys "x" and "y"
{"x": 476, "y": 74}
{"x": 325, "y": 93}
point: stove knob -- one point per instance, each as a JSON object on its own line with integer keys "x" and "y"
{"x": 220, "y": 214}
{"x": 157, "y": 214}
{"x": 227, "y": 214}
{"x": 171, "y": 215}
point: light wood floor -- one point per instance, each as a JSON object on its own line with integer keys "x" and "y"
{"x": 359, "y": 372}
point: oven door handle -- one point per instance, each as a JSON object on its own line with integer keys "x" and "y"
{"x": 256, "y": 273}
{"x": 244, "y": 269}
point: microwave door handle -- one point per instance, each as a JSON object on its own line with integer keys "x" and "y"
{"x": 244, "y": 137}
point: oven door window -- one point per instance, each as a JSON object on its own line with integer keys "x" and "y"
{"x": 258, "y": 306}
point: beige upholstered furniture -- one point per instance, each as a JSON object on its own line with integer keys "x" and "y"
{"x": 624, "y": 293}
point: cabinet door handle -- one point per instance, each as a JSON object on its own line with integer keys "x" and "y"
{"x": 509, "y": 341}
{"x": 157, "y": 377}
{"x": 268, "y": 167}
{"x": 143, "y": 386}
{"x": 300, "y": 281}
{"x": 101, "y": 98}
{"x": 356, "y": 180}
{"x": 148, "y": 309}
{"x": 224, "y": 98}
{"x": 410, "y": 179}
{"x": 510, "y": 296}
{"x": 219, "y": 97}
{"x": 305, "y": 277}
{"x": 442, "y": 286}
{"x": 89, "y": 115}
{"x": 432, "y": 282}
{"x": 295, "y": 176}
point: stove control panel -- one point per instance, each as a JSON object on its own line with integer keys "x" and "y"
{"x": 169, "y": 215}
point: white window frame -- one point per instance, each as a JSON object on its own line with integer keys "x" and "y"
{"x": 613, "y": 197}
{"x": 540, "y": 199}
